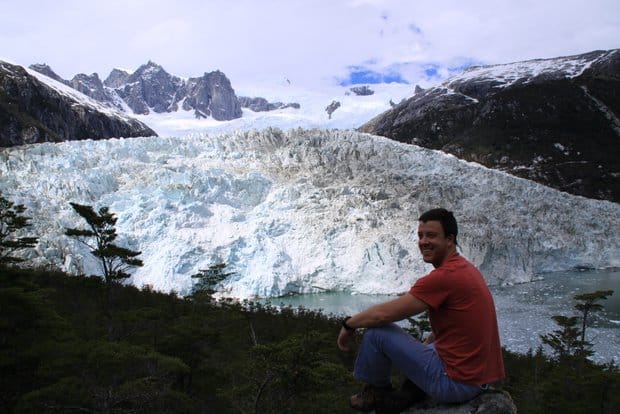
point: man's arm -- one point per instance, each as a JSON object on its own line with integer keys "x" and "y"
{"x": 395, "y": 310}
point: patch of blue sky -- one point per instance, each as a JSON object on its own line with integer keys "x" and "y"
{"x": 361, "y": 75}
{"x": 432, "y": 71}
{"x": 437, "y": 71}
{"x": 466, "y": 64}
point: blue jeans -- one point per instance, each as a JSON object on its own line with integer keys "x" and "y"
{"x": 390, "y": 345}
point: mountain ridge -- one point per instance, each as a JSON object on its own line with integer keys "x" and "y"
{"x": 35, "y": 111}
{"x": 150, "y": 88}
{"x": 553, "y": 121}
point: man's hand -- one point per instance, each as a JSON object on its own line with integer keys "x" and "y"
{"x": 430, "y": 339}
{"x": 344, "y": 339}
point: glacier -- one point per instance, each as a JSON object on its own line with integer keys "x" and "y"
{"x": 297, "y": 211}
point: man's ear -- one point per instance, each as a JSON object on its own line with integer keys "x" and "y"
{"x": 451, "y": 237}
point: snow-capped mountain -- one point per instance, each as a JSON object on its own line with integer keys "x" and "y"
{"x": 36, "y": 108}
{"x": 296, "y": 108}
{"x": 298, "y": 211}
{"x": 151, "y": 89}
{"x": 172, "y": 105}
{"x": 554, "y": 121}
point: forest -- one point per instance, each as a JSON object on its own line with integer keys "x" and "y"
{"x": 96, "y": 344}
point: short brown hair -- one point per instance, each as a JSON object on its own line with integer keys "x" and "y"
{"x": 445, "y": 217}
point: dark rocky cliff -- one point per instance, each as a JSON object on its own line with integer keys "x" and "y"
{"x": 33, "y": 112}
{"x": 212, "y": 94}
{"x": 553, "y": 121}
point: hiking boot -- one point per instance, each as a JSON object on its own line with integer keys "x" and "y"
{"x": 399, "y": 400}
{"x": 369, "y": 398}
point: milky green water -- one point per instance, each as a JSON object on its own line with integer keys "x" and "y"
{"x": 524, "y": 311}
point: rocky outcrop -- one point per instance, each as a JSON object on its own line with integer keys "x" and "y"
{"x": 331, "y": 108}
{"x": 259, "y": 104}
{"x": 362, "y": 90}
{"x": 91, "y": 85}
{"x": 553, "y": 121}
{"x": 32, "y": 111}
{"x": 212, "y": 94}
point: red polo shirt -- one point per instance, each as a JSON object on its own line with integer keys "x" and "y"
{"x": 462, "y": 316}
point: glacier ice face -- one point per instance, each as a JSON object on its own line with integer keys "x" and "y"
{"x": 298, "y": 211}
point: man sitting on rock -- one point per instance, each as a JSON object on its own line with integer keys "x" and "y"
{"x": 462, "y": 355}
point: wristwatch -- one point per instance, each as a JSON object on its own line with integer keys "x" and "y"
{"x": 346, "y": 326}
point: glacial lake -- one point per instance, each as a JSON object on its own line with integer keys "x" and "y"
{"x": 524, "y": 311}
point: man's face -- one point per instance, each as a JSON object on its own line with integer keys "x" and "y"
{"x": 433, "y": 243}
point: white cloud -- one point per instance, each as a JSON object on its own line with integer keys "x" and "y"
{"x": 306, "y": 41}
{"x": 164, "y": 35}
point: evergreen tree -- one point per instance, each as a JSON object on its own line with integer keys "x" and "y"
{"x": 208, "y": 279}
{"x": 570, "y": 341}
{"x": 99, "y": 237}
{"x": 565, "y": 341}
{"x": 12, "y": 221}
{"x": 587, "y": 303}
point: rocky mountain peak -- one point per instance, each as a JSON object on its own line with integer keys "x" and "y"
{"x": 89, "y": 85}
{"x": 152, "y": 88}
{"x": 44, "y": 69}
{"x": 35, "y": 109}
{"x": 149, "y": 71}
{"x": 212, "y": 94}
{"x": 116, "y": 78}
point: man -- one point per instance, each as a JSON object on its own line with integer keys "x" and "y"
{"x": 461, "y": 356}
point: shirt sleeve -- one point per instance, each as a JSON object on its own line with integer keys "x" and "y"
{"x": 430, "y": 289}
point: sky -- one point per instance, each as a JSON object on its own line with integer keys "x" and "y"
{"x": 307, "y": 43}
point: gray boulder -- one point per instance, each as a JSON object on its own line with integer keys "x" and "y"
{"x": 489, "y": 402}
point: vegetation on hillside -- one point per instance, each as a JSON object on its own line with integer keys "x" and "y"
{"x": 12, "y": 223}
{"x": 87, "y": 344}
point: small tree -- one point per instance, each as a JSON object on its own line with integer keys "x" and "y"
{"x": 570, "y": 341}
{"x": 207, "y": 280}
{"x": 99, "y": 237}
{"x": 588, "y": 304}
{"x": 12, "y": 220}
{"x": 565, "y": 341}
